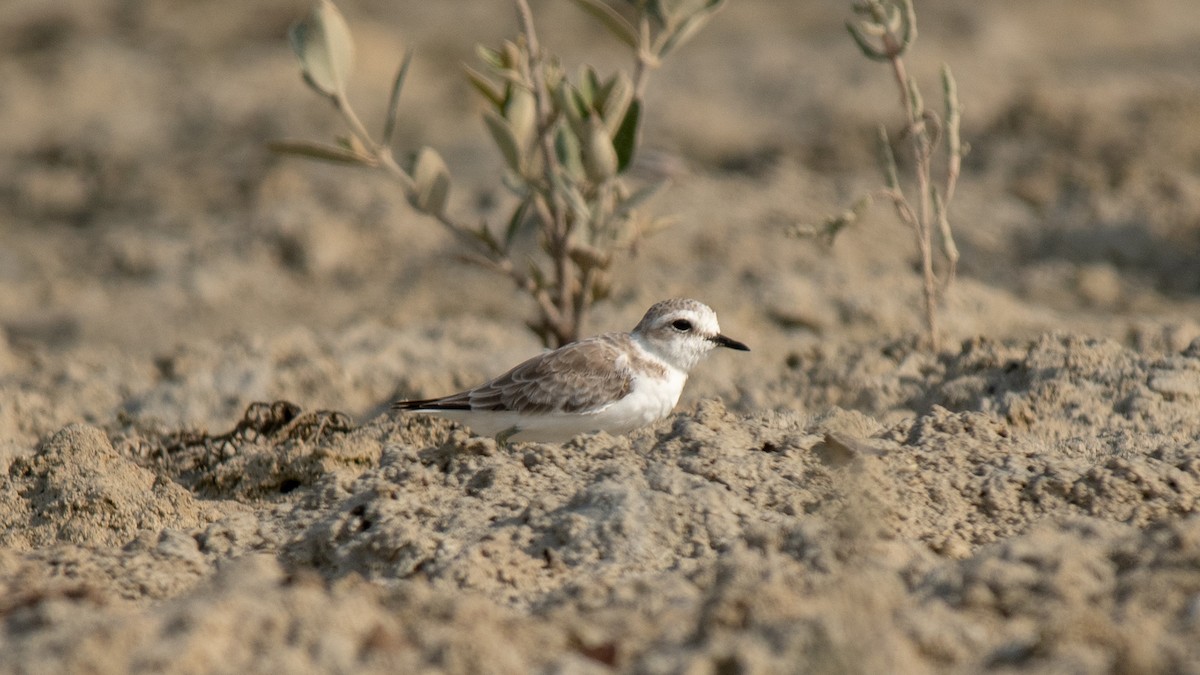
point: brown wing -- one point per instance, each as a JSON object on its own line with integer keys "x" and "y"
{"x": 578, "y": 377}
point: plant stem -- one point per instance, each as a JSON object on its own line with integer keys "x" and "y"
{"x": 566, "y": 327}
{"x": 485, "y": 256}
{"x": 922, "y": 221}
{"x": 644, "y": 60}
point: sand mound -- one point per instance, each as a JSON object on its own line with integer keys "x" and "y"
{"x": 199, "y": 340}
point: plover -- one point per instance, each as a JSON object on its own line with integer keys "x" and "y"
{"x": 615, "y": 382}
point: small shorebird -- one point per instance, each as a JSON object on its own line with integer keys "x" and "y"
{"x": 615, "y": 382}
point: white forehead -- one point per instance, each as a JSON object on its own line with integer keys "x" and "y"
{"x": 663, "y": 313}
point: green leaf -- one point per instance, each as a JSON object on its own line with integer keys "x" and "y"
{"x": 570, "y": 103}
{"x": 512, "y": 77}
{"x": 517, "y": 221}
{"x": 506, "y": 141}
{"x": 910, "y": 24}
{"x": 949, "y": 249}
{"x": 864, "y": 44}
{"x": 582, "y": 103}
{"x": 614, "y": 22}
{"x": 641, "y": 196}
{"x": 872, "y": 29}
{"x": 594, "y": 88}
{"x": 587, "y": 87}
{"x": 566, "y": 146}
{"x": 895, "y": 20}
{"x": 955, "y": 150}
{"x": 604, "y": 89}
{"x": 389, "y": 125}
{"x": 617, "y": 95}
{"x": 915, "y": 101}
{"x": 490, "y": 56}
{"x": 575, "y": 200}
{"x": 599, "y": 157}
{"x": 431, "y": 182}
{"x": 323, "y": 43}
{"x": 953, "y": 112}
{"x": 326, "y": 153}
{"x": 657, "y": 11}
{"x": 514, "y": 54}
{"x": 887, "y": 159}
{"x": 485, "y": 87}
{"x": 625, "y": 140}
{"x": 688, "y": 28}
{"x": 521, "y": 112}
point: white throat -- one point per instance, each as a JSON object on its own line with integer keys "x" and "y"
{"x": 680, "y": 354}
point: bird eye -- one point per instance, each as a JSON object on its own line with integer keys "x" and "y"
{"x": 681, "y": 325}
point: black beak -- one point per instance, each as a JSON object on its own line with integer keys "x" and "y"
{"x": 722, "y": 341}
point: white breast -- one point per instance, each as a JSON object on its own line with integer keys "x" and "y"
{"x": 650, "y": 400}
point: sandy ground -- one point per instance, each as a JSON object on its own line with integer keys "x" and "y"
{"x": 834, "y": 501}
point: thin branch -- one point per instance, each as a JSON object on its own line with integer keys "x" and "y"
{"x": 645, "y": 59}
{"x": 356, "y": 126}
{"x": 541, "y": 96}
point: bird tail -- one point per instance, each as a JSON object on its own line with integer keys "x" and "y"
{"x": 433, "y": 404}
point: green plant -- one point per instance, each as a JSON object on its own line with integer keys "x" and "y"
{"x": 885, "y": 32}
{"x": 566, "y": 143}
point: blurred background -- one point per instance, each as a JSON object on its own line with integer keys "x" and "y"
{"x": 140, "y": 209}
